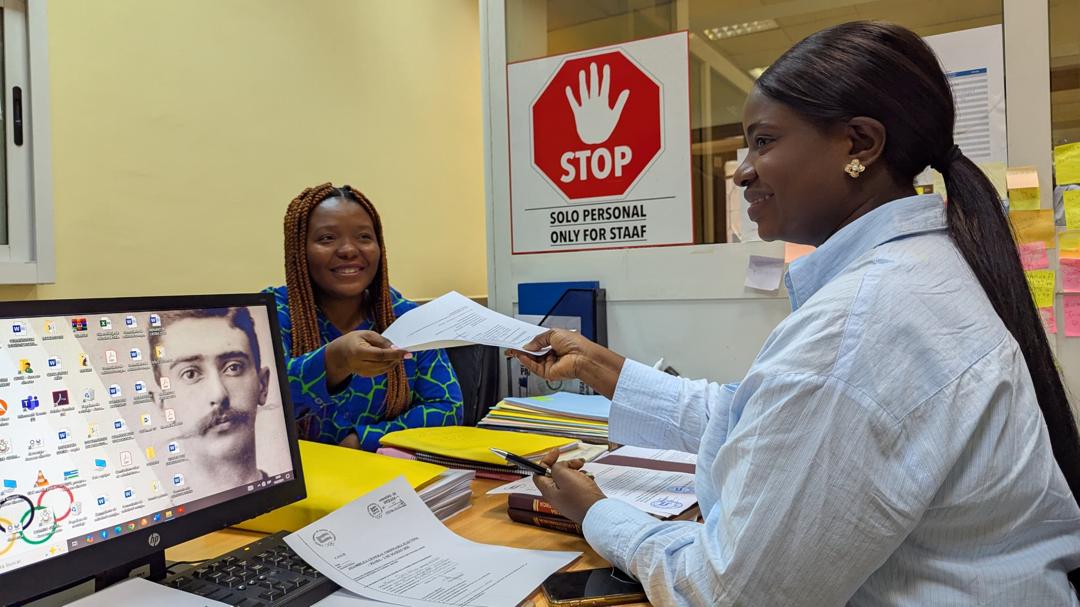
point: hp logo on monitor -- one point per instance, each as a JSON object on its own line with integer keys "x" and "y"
{"x": 154, "y": 539}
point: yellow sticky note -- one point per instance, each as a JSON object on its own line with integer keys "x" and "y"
{"x": 1067, "y": 163}
{"x": 1069, "y": 244}
{"x": 1032, "y": 226}
{"x": 1024, "y": 199}
{"x": 995, "y": 171}
{"x": 1022, "y": 178}
{"x": 1041, "y": 283}
{"x": 1072, "y": 209}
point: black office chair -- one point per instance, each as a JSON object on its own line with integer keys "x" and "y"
{"x": 477, "y": 369}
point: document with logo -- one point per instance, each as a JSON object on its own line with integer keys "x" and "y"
{"x": 455, "y": 320}
{"x": 388, "y": 546}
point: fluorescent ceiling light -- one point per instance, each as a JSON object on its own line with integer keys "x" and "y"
{"x": 740, "y": 29}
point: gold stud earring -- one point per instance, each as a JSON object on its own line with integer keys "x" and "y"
{"x": 854, "y": 168}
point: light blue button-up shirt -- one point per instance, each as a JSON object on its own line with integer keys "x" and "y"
{"x": 885, "y": 447}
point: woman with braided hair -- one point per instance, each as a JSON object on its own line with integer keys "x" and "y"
{"x": 349, "y": 385}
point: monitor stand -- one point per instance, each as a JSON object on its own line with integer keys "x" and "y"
{"x": 151, "y": 567}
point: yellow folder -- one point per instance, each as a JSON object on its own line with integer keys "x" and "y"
{"x": 335, "y": 476}
{"x": 473, "y": 444}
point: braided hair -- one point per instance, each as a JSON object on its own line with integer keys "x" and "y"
{"x": 302, "y": 303}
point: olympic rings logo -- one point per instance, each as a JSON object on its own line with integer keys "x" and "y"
{"x": 29, "y": 511}
{"x": 48, "y": 517}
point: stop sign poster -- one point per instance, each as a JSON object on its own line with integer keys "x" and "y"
{"x": 600, "y": 148}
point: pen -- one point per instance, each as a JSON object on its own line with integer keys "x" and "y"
{"x": 521, "y": 461}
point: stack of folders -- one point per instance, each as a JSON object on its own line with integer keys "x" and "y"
{"x": 467, "y": 448}
{"x": 531, "y": 509}
{"x": 580, "y": 416}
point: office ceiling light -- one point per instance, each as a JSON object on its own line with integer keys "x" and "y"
{"x": 740, "y": 29}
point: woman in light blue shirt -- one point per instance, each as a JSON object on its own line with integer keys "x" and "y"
{"x": 903, "y": 437}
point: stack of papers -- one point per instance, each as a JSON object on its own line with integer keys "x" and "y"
{"x": 579, "y": 416}
{"x": 449, "y": 493}
{"x": 470, "y": 448}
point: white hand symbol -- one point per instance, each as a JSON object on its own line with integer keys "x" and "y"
{"x": 594, "y": 119}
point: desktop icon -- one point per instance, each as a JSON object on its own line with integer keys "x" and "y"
{"x": 168, "y": 514}
{"x": 89, "y": 539}
{"x": 35, "y": 443}
{"x": 110, "y": 357}
{"x": 140, "y": 387}
{"x": 87, "y": 395}
{"x": 78, "y": 324}
{"x": 105, "y": 323}
{"x": 76, "y": 508}
{"x": 159, "y": 352}
{"x": 119, "y": 424}
{"x": 170, "y": 415}
{"x": 101, "y": 463}
{"x": 150, "y": 453}
{"x": 131, "y": 526}
{"x": 70, "y": 475}
{"x": 178, "y": 480}
{"x": 53, "y": 363}
{"x": 129, "y": 493}
{"x": 63, "y": 435}
{"x": 105, "y": 533}
{"x": 60, "y": 398}
{"x": 92, "y": 430}
{"x": 179, "y": 509}
{"x": 155, "y": 321}
{"x": 174, "y": 448}
{"x": 165, "y": 383}
{"x": 156, "y": 518}
{"x": 84, "y": 360}
{"x": 125, "y": 458}
{"x": 155, "y": 486}
{"x": 18, "y": 328}
{"x": 144, "y": 521}
{"x": 117, "y": 530}
{"x": 146, "y": 420}
{"x": 114, "y": 390}
{"x": 50, "y": 326}
{"x": 25, "y": 366}
{"x": 30, "y": 403}
{"x": 10, "y": 484}
{"x": 3, "y": 407}
{"x": 5, "y": 446}
{"x": 135, "y": 354}
{"x": 41, "y": 480}
{"x": 130, "y": 322}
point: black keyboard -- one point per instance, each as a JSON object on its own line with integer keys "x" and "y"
{"x": 265, "y": 573}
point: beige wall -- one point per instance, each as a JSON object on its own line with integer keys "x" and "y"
{"x": 181, "y": 130}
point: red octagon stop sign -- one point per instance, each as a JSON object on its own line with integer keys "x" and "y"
{"x": 596, "y": 126}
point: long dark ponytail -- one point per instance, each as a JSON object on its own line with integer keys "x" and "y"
{"x": 888, "y": 73}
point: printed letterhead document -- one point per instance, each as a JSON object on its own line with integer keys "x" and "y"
{"x": 388, "y": 546}
{"x": 455, "y": 320}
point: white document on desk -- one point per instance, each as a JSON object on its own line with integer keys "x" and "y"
{"x": 455, "y": 320}
{"x": 138, "y": 591}
{"x": 657, "y": 492}
{"x": 388, "y": 546}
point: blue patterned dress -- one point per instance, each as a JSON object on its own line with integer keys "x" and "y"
{"x": 360, "y": 404}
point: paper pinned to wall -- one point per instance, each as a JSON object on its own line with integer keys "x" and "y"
{"x": 1071, "y": 200}
{"x": 1067, "y": 163}
{"x": 1048, "y": 319}
{"x": 1024, "y": 199}
{"x": 1033, "y": 255}
{"x": 764, "y": 273}
{"x": 1041, "y": 283}
{"x": 1071, "y": 312}
{"x": 1034, "y": 226}
{"x": 1070, "y": 275}
{"x": 995, "y": 172}
{"x": 1022, "y": 178}
{"x": 794, "y": 251}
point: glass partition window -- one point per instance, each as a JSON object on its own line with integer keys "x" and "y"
{"x": 1065, "y": 71}
{"x": 731, "y": 43}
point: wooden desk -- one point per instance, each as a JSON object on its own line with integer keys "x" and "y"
{"x": 484, "y": 522}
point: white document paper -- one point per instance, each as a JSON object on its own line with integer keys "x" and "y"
{"x": 138, "y": 591}
{"x": 764, "y": 273}
{"x": 660, "y": 455}
{"x": 388, "y": 546}
{"x": 654, "y": 491}
{"x": 455, "y": 320}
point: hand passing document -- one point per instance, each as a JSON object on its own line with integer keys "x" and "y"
{"x": 388, "y": 546}
{"x": 455, "y": 320}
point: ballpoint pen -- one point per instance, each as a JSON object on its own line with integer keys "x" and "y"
{"x": 521, "y": 461}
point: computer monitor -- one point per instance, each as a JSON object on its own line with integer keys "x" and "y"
{"x": 131, "y": 425}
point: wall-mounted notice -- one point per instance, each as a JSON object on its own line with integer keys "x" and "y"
{"x": 600, "y": 148}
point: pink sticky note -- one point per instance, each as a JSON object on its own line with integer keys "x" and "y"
{"x": 1048, "y": 319}
{"x": 794, "y": 251}
{"x": 1070, "y": 275}
{"x": 1072, "y": 315}
{"x": 1033, "y": 255}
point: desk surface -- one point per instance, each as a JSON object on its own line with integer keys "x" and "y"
{"x": 485, "y": 522}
